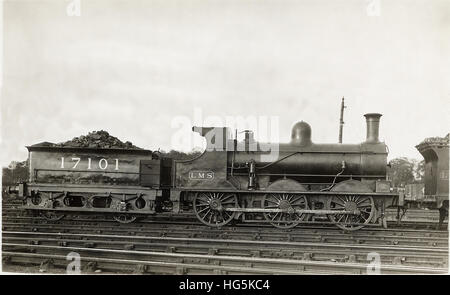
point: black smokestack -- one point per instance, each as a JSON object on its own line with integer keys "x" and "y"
{"x": 373, "y": 125}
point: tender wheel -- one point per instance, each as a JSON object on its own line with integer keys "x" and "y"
{"x": 285, "y": 201}
{"x": 52, "y": 215}
{"x": 363, "y": 204}
{"x": 210, "y": 208}
{"x": 124, "y": 218}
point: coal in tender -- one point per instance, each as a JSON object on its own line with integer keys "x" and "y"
{"x": 98, "y": 139}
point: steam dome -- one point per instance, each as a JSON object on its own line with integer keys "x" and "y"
{"x": 301, "y": 134}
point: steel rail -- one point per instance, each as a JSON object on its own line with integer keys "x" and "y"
{"x": 390, "y": 256}
{"x": 267, "y": 263}
{"x": 436, "y": 250}
{"x": 249, "y": 230}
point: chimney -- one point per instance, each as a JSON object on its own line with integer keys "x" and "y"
{"x": 373, "y": 124}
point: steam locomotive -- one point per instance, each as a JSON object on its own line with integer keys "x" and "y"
{"x": 246, "y": 181}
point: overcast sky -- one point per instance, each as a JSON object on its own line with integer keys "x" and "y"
{"x": 133, "y": 67}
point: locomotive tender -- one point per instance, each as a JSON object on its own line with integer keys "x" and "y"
{"x": 229, "y": 181}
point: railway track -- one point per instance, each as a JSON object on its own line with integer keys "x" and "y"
{"x": 391, "y": 214}
{"x": 407, "y": 222}
{"x": 203, "y": 255}
{"x": 418, "y": 216}
{"x": 167, "y": 247}
{"x": 189, "y": 256}
{"x": 111, "y": 260}
{"x": 180, "y": 229}
{"x": 407, "y": 255}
